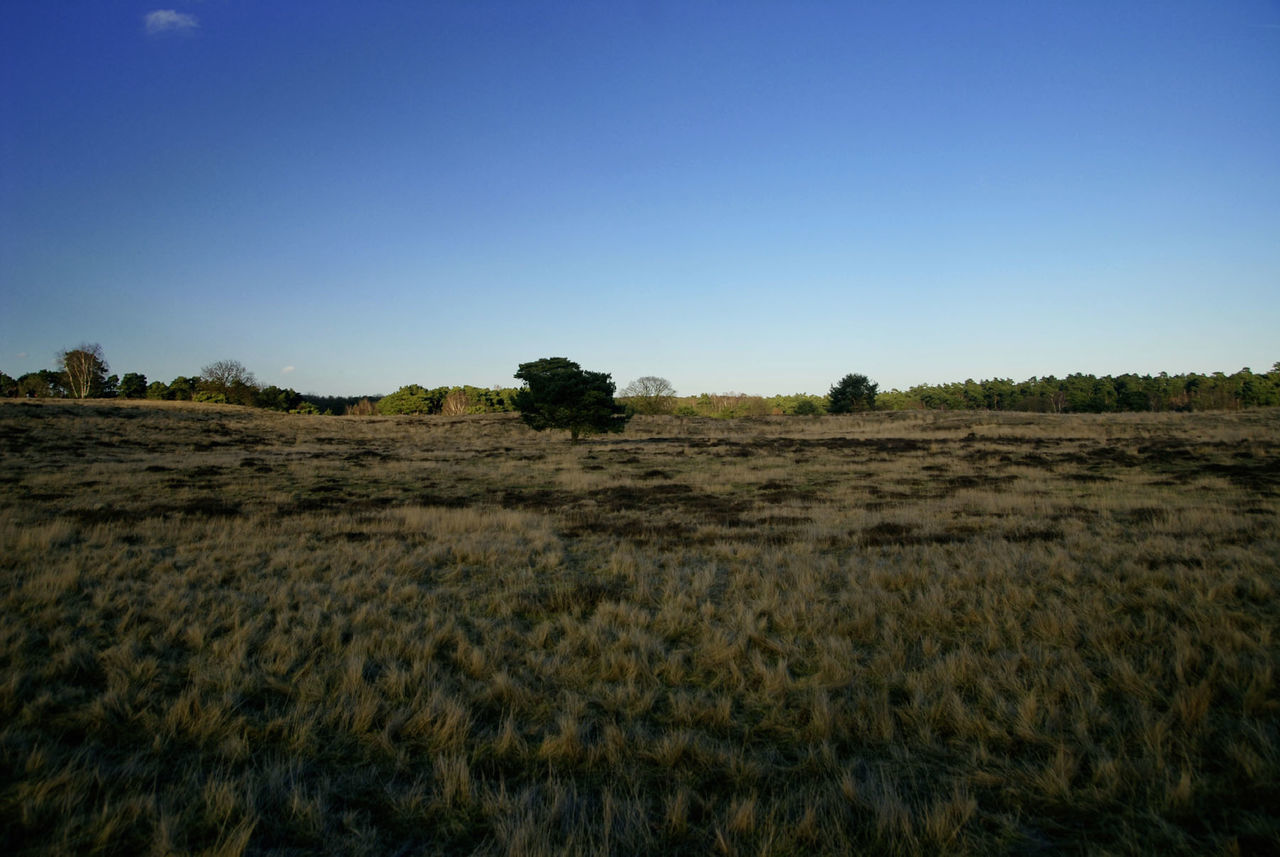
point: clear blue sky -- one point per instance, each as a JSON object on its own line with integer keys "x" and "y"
{"x": 758, "y": 197}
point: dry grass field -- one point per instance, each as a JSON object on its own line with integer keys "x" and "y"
{"x": 228, "y": 632}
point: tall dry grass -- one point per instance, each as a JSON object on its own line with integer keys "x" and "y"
{"x": 234, "y": 632}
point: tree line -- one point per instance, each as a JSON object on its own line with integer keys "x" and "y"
{"x": 1081, "y": 393}
{"x": 1076, "y": 393}
{"x": 83, "y": 372}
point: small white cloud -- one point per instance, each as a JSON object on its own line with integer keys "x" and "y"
{"x": 286, "y": 370}
{"x": 168, "y": 21}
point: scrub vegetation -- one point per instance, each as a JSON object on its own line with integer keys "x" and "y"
{"x": 230, "y": 631}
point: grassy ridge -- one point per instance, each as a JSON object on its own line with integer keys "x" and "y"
{"x": 235, "y": 632}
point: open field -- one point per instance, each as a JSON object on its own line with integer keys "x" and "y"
{"x": 227, "y": 631}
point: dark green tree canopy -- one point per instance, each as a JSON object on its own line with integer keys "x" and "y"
{"x": 559, "y": 394}
{"x": 851, "y": 393}
{"x": 182, "y": 388}
{"x": 41, "y": 384}
{"x": 133, "y": 386}
{"x": 278, "y": 399}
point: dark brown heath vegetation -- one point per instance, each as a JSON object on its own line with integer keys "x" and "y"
{"x": 227, "y": 631}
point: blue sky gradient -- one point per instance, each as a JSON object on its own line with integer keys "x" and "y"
{"x": 760, "y": 197}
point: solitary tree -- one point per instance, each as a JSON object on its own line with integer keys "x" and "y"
{"x": 852, "y": 393}
{"x": 650, "y": 395}
{"x": 85, "y": 368}
{"x": 559, "y": 394}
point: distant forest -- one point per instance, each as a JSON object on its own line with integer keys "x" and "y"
{"x": 1091, "y": 394}
{"x": 1078, "y": 393}
{"x": 83, "y": 373}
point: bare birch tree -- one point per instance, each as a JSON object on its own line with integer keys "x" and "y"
{"x": 649, "y": 395}
{"x": 230, "y": 380}
{"x": 456, "y": 403}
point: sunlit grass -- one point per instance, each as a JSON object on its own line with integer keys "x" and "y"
{"x": 233, "y": 632}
